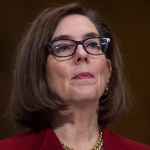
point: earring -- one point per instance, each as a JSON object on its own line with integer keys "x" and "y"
{"x": 105, "y": 95}
{"x": 106, "y": 90}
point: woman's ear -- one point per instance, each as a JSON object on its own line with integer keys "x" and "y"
{"x": 109, "y": 68}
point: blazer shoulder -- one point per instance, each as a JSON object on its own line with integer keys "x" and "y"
{"x": 114, "y": 141}
{"x": 28, "y": 140}
{"x": 129, "y": 144}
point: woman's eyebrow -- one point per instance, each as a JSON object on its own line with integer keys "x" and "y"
{"x": 60, "y": 37}
{"x": 91, "y": 34}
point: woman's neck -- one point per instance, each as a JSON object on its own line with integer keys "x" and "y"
{"x": 77, "y": 127}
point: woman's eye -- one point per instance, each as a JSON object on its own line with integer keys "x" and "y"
{"x": 61, "y": 48}
{"x": 93, "y": 45}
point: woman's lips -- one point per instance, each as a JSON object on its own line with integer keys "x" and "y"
{"x": 83, "y": 75}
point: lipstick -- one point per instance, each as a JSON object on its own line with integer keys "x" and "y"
{"x": 83, "y": 75}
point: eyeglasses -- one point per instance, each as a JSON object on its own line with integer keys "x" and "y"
{"x": 68, "y": 47}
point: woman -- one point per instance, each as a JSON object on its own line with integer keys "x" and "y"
{"x": 68, "y": 84}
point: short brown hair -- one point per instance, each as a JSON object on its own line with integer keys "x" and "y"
{"x": 32, "y": 104}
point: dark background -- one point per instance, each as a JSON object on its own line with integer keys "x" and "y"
{"x": 130, "y": 21}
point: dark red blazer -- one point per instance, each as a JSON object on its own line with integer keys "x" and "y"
{"x": 47, "y": 140}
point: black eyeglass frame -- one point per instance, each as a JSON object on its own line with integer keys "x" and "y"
{"x": 49, "y": 44}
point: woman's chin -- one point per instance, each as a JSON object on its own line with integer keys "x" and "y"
{"x": 85, "y": 95}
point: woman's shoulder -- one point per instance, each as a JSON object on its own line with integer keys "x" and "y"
{"x": 115, "y": 141}
{"x": 22, "y": 141}
{"x": 30, "y": 141}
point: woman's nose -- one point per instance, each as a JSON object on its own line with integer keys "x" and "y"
{"x": 81, "y": 55}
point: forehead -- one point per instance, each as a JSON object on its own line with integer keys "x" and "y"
{"x": 75, "y": 26}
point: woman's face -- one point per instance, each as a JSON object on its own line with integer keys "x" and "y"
{"x": 83, "y": 77}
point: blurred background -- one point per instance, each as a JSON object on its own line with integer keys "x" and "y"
{"x": 130, "y": 20}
